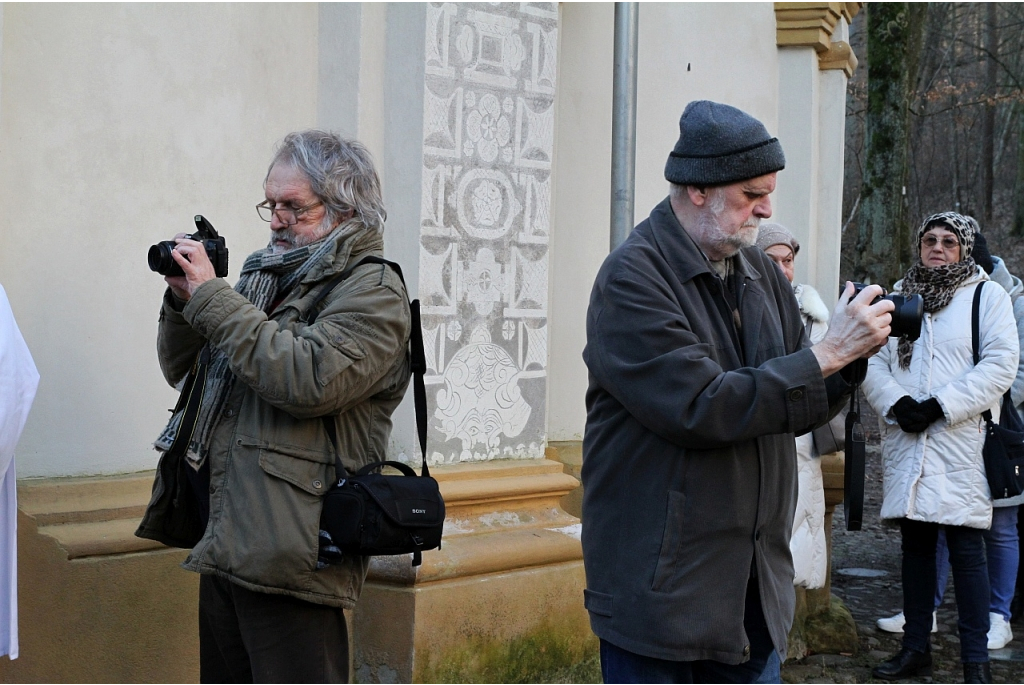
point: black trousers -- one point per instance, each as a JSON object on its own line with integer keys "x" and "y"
{"x": 253, "y": 637}
{"x": 970, "y": 579}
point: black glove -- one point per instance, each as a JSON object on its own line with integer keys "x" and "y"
{"x": 328, "y": 552}
{"x": 982, "y": 257}
{"x": 930, "y": 410}
{"x": 908, "y": 415}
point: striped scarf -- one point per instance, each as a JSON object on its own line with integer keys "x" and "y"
{"x": 265, "y": 275}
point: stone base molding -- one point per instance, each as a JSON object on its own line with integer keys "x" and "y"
{"x": 97, "y": 604}
{"x": 501, "y": 601}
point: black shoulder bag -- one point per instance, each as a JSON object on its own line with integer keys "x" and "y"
{"x": 371, "y": 514}
{"x": 1004, "y": 441}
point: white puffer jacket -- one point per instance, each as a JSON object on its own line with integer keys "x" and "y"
{"x": 809, "y": 543}
{"x": 938, "y": 475}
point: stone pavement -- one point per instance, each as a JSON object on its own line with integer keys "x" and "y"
{"x": 866, "y": 576}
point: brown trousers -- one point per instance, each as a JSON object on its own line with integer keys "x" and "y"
{"x": 253, "y": 637}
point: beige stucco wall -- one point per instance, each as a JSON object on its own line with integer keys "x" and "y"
{"x": 118, "y": 123}
{"x": 687, "y": 51}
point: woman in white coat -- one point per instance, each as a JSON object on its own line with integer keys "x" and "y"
{"x": 929, "y": 396}
{"x": 809, "y": 543}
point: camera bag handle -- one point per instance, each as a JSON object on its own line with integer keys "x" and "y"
{"x": 418, "y": 365}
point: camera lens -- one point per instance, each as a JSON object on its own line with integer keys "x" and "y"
{"x": 161, "y": 261}
{"x": 907, "y": 316}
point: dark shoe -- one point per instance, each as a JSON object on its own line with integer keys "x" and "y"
{"x": 977, "y": 673}
{"x": 907, "y": 664}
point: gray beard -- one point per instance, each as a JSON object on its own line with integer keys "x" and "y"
{"x": 297, "y": 241}
{"x": 714, "y": 239}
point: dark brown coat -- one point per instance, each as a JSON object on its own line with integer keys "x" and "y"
{"x": 689, "y": 465}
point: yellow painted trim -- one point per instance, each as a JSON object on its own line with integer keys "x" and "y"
{"x": 812, "y": 25}
{"x": 851, "y": 9}
{"x": 806, "y": 24}
{"x": 839, "y": 56}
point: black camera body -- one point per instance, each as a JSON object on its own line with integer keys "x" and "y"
{"x": 906, "y": 317}
{"x": 161, "y": 261}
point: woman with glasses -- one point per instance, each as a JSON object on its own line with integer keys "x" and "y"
{"x": 929, "y": 396}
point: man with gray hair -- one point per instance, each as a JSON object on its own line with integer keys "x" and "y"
{"x": 244, "y": 469}
{"x": 700, "y": 376}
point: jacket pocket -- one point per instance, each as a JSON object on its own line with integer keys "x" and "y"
{"x": 313, "y": 477}
{"x": 669, "y": 559}
{"x": 342, "y": 349}
{"x": 599, "y": 603}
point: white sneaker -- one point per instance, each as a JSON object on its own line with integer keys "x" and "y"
{"x": 894, "y": 624}
{"x": 999, "y": 632}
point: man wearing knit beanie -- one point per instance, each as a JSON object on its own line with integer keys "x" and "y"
{"x": 700, "y": 375}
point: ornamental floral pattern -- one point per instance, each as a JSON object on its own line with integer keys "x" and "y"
{"x": 488, "y": 137}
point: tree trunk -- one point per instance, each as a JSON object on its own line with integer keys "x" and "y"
{"x": 988, "y": 123}
{"x": 1018, "y": 215}
{"x": 894, "y": 46}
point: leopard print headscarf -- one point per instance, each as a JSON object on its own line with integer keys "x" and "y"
{"x": 938, "y": 284}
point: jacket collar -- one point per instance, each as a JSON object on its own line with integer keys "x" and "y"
{"x": 681, "y": 252}
{"x": 351, "y": 244}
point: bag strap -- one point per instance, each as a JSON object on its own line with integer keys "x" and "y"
{"x": 975, "y": 317}
{"x": 976, "y": 335}
{"x": 418, "y": 362}
{"x": 191, "y": 399}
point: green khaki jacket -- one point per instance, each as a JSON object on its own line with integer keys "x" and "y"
{"x": 271, "y": 460}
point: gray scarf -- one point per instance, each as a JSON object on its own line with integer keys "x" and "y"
{"x": 265, "y": 275}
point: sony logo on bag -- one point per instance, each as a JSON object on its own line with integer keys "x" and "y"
{"x": 419, "y": 511}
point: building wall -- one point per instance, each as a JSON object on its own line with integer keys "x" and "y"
{"x": 680, "y": 59}
{"x": 118, "y": 123}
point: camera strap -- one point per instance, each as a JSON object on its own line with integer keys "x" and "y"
{"x": 418, "y": 362}
{"x": 853, "y": 469}
{"x": 191, "y": 399}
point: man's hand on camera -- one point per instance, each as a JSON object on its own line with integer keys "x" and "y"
{"x": 858, "y": 329}
{"x": 192, "y": 258}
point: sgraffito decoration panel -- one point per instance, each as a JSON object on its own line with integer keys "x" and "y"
{"x": 484, "y": 226}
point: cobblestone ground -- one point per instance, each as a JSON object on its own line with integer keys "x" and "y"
{"x": 876, "y": 549}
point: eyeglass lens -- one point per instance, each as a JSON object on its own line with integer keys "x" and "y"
{"x": 947, "y": 242}
{"x": 285, "y": 214}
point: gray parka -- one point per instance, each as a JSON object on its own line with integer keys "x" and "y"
{"x": 689, "y": 464}
{"x": 271, "y": 459}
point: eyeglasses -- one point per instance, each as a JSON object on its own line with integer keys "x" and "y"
{"x": 288, "y": 215}
{"x": 948, "y": 242}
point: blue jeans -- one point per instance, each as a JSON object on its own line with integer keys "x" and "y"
{"x": 1003, "y": 556}
{"x": 970, "y": 577}
{"x": 1002, "y": 549}
{"x": 772, "y": 672}
{"x": 621, "y": 666}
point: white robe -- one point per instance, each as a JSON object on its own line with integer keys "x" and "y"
{"x": 809, "y": 543}
{"x": 18, "y": 382}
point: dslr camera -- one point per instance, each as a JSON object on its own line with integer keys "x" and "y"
{"x": 906, "y": 317}
{"x": 161, "y": 261}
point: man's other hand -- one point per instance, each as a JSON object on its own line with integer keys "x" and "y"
{"x": 192, "y": 258}
{"x": 857, "y": 330}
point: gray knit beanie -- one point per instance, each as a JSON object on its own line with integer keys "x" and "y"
{"x": 720, "y": 144}
{"x": 776, "y": 234}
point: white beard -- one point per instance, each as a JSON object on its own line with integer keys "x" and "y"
{"x": 713, "y": 237}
